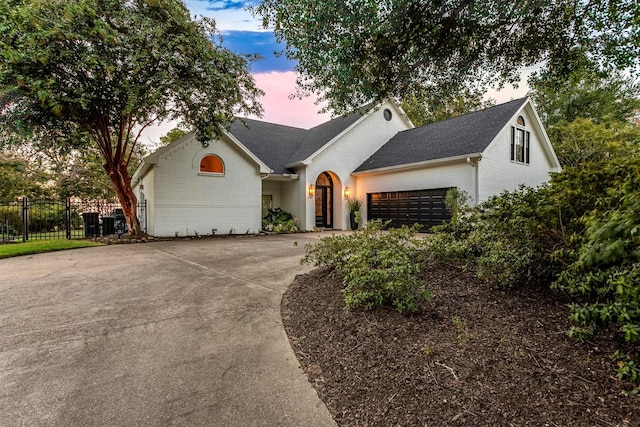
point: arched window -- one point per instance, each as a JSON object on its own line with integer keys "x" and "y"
{"x": 212, "y": 164}
{"x": 520, "y": 142}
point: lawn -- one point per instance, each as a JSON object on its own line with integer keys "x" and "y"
{"x": 40, "y": 246}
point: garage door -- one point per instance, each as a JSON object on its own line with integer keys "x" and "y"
{"x": 424, "y": 207}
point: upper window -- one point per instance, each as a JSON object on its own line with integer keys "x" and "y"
{"x": 212, "y": 164}
{"x": 387, "y": 114}
{"x": 520, "y": 142}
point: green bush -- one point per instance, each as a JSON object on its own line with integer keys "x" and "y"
{"x": 378, "y": 268}
{"x": 606, "y": 262}
{"x": 580, "y": 233}
{"x": 500, "y": 240}
{"x": 279, "y": 221}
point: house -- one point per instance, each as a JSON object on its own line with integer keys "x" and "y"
{"x": 400, "y": 172}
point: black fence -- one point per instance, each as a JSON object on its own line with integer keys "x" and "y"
{"x": 63, "y": 219}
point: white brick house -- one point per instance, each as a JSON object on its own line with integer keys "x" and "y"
{"x": 400, "y": 172}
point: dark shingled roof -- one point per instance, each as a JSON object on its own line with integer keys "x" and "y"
{"x": 278, "y": 145}
{"x": 467, "y": 134}
{"x": 271, "y": 143}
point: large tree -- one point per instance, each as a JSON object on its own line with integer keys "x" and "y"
{"x": 353, "y": 52}
{"x": 590, "y": 115}
{"x": 110, "y": 68}
{"x": 428, "y": 109}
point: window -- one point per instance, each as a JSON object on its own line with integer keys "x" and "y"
{"x": 520, "y": 142}
{"x": 212, "y": 164}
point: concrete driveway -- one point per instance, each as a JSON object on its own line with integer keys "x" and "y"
{"x": 166, "y": 333}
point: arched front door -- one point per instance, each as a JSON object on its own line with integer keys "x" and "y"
{"x": 324, "y": 201}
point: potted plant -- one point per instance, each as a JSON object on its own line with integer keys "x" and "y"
{"x": 354, "y": 205}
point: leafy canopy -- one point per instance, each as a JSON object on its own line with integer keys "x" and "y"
{"x": 590, "y": 115}
{"x": 110, "y": 68}
{"x": 353, "y": 52}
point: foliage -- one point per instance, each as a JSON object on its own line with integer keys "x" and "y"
{"x": 354, "y": 52}
{"x": 581, "y": 233}
{"x": 172, "y": 135}
{"x": 456, "y": 200}
{"x": 606, "y": 263}
{"x": 83, "y": 176}
{"x": 584, "y": 94}
{"x": 110, "y": 69}
{"x": 353, "y": 204}
{"x": 378, "y": 268}
{"x": 627, "y": 369}
{"x": 500, "y": 239}
{"x": 279, "y": 221}
{"x": 588, "y": 116}
{"x": 427, "y": 108}
{"x": 19, "y": 179}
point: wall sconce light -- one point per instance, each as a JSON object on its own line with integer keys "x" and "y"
{"x": 311, "y": 190}
{"x": 346, "y": 192}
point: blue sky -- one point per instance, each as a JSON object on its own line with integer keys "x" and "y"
{"x": 243, "y": 33}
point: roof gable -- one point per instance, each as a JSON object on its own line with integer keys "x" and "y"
{"x": 458, "y": 136}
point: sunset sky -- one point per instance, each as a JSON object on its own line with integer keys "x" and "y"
{"x": 243, "y": 33}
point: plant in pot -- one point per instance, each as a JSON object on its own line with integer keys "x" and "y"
{"x": 354, "y": 205}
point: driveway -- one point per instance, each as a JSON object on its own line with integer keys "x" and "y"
{"x": 166, "y": 333}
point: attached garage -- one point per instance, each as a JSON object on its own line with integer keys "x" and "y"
{"x": 425, "y": 207}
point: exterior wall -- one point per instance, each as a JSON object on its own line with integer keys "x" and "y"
{"x": 345, "y": 155}
{"x": 460, "y": 175}
{"x": 498, "y": 173}
{"x": 273, "y": 189}
{"x": 187, "y": 202}
{"x": 146, "y": 188}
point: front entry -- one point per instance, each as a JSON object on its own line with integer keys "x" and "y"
{"x": 324, "y": 201}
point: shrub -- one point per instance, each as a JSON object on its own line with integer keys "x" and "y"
{"x": 378, "y": 268}
{"x": 581, "y": 233}
{"x": 279, "y": 221}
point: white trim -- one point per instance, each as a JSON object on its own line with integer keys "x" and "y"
{"x": 372, "y": 110}
{"x": 423, "y": 164}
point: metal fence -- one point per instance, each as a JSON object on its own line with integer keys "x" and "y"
{"x": 63, "y": 219}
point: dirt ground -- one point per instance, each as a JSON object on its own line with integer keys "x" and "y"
{"x": 475, "y": 356}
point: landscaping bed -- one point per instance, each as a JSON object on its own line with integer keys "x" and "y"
{"x": 475, "y": 356}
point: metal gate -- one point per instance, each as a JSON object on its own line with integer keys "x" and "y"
{"x": 61, "y": 219}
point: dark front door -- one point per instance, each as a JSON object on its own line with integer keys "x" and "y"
{"x": 324, "y": 202}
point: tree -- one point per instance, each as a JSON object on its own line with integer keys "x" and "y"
{"x": 590, "y": 115}
{"x": 18, "y": 179}
{"x": 585, "y": 93}
{"x": 423, "y": 110}
{"x": 110, "y": 68}
{"x": 354, "y": 52}
{"x": 172, "y": 135}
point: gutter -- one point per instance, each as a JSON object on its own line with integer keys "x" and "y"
{"x": 418, "y": 165}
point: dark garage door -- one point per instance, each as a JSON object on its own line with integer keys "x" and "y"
{"x": 424, "y": 207}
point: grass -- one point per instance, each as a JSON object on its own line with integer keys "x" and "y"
{"x": 41, "y": 246}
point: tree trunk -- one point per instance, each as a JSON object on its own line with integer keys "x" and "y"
{"x": 119, "y": 175}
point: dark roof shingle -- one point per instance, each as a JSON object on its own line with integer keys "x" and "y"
{"x": 279, "y": 145}
{"x": 457, "y": 136}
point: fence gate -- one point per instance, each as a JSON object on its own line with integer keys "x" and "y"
{"x": 63, "y": 219}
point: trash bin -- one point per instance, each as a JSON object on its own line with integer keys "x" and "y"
{"x": 90, "y": 224}
{"x": 108, "y": 226}
{"x": 119, "y": 223}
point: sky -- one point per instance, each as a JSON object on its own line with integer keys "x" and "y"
{"x": 242, "y": 33}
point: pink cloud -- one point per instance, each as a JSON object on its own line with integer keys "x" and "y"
{"x": 278, "y": 108}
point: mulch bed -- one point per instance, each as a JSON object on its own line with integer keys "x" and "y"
{"x": 475, "y": 356}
